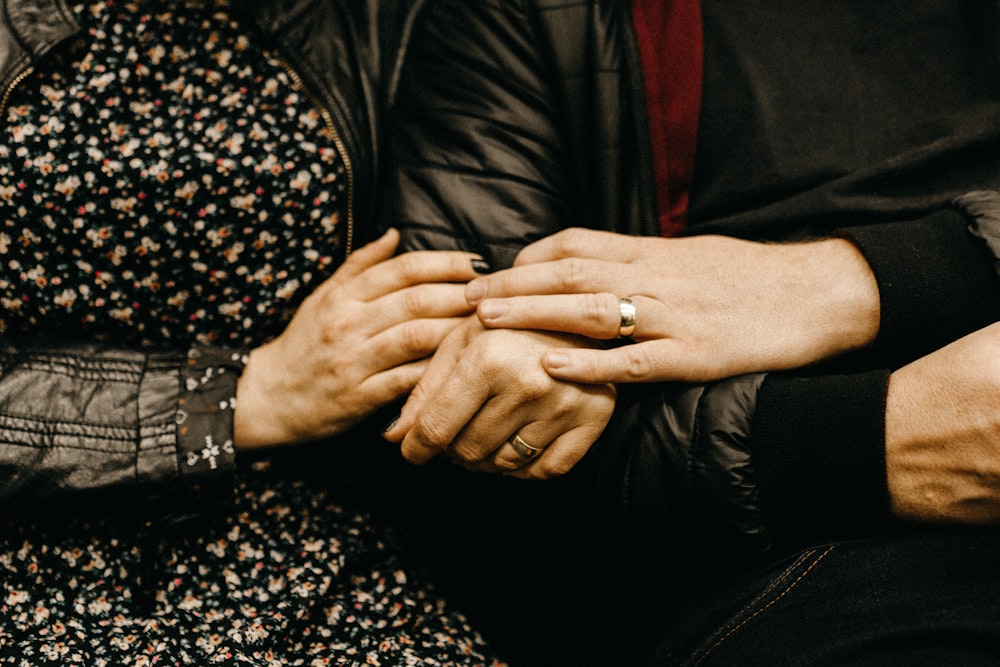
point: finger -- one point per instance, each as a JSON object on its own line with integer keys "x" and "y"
{"x": 393, "y": 383}
{"x": 582, "y": 243}
{"x": 407, "y": 342}
{"x": 564, "y": 276}
{"x": 442, "y": 417}
{"x": 650, "y": 361}
{"x": 515, "y": 402}
{"x": 597, "y": 316}
{"x": 414, "y": 268}
{"x": 367, "y": 256}
{"x": 561, "y": 455}
{"x": 429, "y": 300}
{"x": 441, "y": 366}
{"x": 378, "y": 317}
{"x": 533, "y": 442}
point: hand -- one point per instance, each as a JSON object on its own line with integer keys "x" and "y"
{"x": 942, "y": 433}
{"x": 483, "y": 388}
{"x": 358, "y": 342}
{"x": 707, "y": 307}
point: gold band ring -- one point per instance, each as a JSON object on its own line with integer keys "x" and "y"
{"x": 523, "y": 448}
{"x": 626, "y": 326}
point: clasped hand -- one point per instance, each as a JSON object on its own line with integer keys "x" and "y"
{"x": 361, "y": 340}
{"x": 484, "y": 387}
{"x": 707, "y": 307}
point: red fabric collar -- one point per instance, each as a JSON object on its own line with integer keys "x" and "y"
{"x": 670, "y": 47}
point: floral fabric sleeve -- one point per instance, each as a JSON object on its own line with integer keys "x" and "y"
{"x": 205, "y": 412}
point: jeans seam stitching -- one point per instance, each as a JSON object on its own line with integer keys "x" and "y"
{"x": 760, "y": 611}
{"x": 738, "y": 618}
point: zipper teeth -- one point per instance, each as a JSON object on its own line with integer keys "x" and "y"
{"x": 14, "y": 84}
{"x": 341, "y": 148}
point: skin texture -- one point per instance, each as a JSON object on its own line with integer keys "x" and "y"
{"x": 359, "y": 341}
{"x": 708, "y": 307}
{"x": 482, "y": 387}
{"x": 942, "y": 428}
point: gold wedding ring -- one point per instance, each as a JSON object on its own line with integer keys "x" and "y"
{"x": 523, "y": 448}
{"x": 627, "y": 325}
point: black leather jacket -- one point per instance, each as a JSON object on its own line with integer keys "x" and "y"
{"x": 79, "y": 416}
{"x": 518, "y": 118}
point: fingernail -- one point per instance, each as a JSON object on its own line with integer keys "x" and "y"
{"x": 491, "y": 309}
{"x": 481, "y": 266}
{"x": 392, "y": 424}
{"x": 556, "y": 359}
{"x": 475, "y": 291}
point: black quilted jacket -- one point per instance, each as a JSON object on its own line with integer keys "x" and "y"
{"x": 516, "y": 118}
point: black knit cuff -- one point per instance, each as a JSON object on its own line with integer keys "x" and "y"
{"x": 819, "y": 455}
{"x": 935, "y": 283}
{"x": 205, "y": 412}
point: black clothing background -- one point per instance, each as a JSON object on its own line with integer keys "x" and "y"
{"x": 515, "y": 119}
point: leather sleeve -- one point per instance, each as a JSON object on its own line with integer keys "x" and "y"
{"x": 479, "y": 161}
{"x": 82, "y": 417}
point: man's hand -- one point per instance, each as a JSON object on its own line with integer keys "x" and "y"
{"x": 707, "y": 307}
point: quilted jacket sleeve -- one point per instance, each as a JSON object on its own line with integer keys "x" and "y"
{"x": 81, "y": 417}
{"x": 734, "y": 467}
{"x": 781, "y": 460}
{"x": 477, "y": 167}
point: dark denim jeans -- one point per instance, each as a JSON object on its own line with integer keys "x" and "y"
{"x": 927, "y": 597}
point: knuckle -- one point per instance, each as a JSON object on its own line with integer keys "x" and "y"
{"x": 416, "y": 339}
{"x": 570, "y": 274}
{"x": 416, "y": 301}
{"x": 549, "y": 468}
{"x": 431, "y": 436}
{"x": 532, "y": 387}
{"x": 408, "y": 267}
{"x": 507, "y": 464}
{"x": 599, "y": 310}
{"x": 639, "y": 365}
{"x": 570, "y": 242}
{"x": 399, "y": 383}
{"x": 333, "y": 332}
{"x": 468, "y": 452}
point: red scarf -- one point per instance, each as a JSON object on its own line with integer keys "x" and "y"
{"x": 670, "y": 47}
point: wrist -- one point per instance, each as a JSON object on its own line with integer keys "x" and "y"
{"x": 842, "y": 301}
{"x": 255, "y": 423}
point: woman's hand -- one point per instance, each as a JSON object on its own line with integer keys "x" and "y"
{"x": 707, "y": 307}
{"x": 361, "y": 340}
{"x": 483, "y": 388}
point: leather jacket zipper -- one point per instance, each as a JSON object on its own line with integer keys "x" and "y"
{"x": 24, "y": 74}
{"x": 338, "y": 141}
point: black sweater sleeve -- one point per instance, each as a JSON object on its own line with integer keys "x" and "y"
{"x": 935, "y": 283}
{"x": 819, "y": 439}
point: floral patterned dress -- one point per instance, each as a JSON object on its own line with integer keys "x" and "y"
{"x": 167, "y": 181}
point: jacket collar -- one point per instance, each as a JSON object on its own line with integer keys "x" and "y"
{"x": 28, "y": 29}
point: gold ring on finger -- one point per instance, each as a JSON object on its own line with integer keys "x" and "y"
{"x": 626, "y": 326}
{"x": 523, "y": 448}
